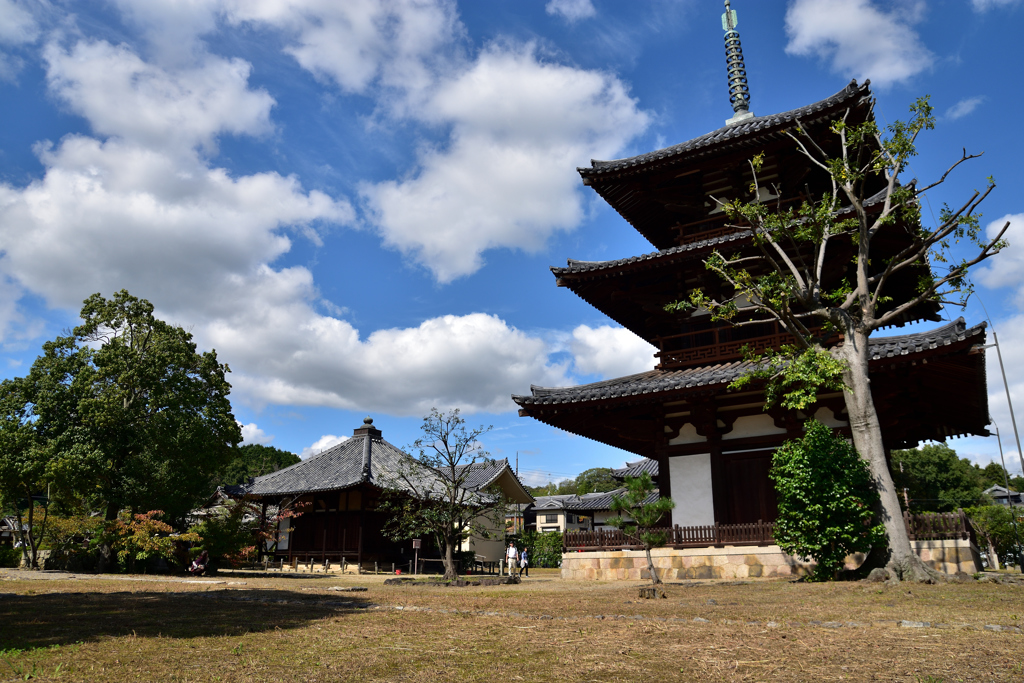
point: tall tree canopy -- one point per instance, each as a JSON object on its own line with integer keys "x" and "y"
{"x": 787, "y": 280}
{"x": 130, "y": 415}
{"x": 936, "y": 480}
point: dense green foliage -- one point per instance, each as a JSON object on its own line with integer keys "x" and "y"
{"x": 231, "y": 534}
{"x": 123, "y": 413}
{"x": 9, "y": 556}
{"x": 995, "y": 527}
{"x": 255, "y": 460}
{"x": 825, "y": 498}
{"x": 545, "y": 548}
{"x": 937, "y": 480}
{"x": 594, "y": 480}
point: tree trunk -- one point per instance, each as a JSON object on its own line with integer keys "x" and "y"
{"x": 449, "y": 560}
{"x": 993, "y": 559}
{"x": 106, "y": 552}
{"x": 900, "y": 558}
{"x": 655, "y": 579}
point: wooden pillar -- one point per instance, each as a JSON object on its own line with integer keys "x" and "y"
{"x": 263, "y": 528}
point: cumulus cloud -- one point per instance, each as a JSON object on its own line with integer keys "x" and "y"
{"x": 506, "y": 178}
{"x": 860, "y": 40}
{"x": 610, "y": 351}
{"x": 358, "y": 42}
{"x": 473, "y": 362}
{"x": 121, "y": 95}
{"x": 252, "y": 434}
{"x": 571, "y": 10}
{"x": 1006, "y": 269}
{"x": 963, "y": 108}
{"x": 322, "y": 444}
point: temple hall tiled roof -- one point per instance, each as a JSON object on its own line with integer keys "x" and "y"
{"x": 749, "y": 128}
{"x": 635, "y": 469}
{"x": 655, "y": 381}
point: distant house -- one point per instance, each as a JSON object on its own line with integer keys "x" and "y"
{"x": 1003, "y": 496}
{"x": 338, "y": 492}
{"x": 590, "y": 511}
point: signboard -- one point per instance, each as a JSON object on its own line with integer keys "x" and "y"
{"x": 416, "y": 543}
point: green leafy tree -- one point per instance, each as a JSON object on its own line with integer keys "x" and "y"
{"x": 24, "y": 473}
{"x": 136, "y": 418}
{"x": 430, "y": 494}
{"x": 638, "y": 513}
{"x": 596, "y": 480}
{"x": 233, "y": 533}
{"x": 936, "y": 480}
{"x": 255, "y": 460}
{"x": 826, "y": 500}
{"x": 999, "y": 526}
{"x": 786, "y": 280}
{"x": 545, "y": 548}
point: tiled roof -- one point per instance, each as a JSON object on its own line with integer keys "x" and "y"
{"x": 595, "y": 502}
{"x": 634, "y": 469}
{"x": 736, "y": 132}
{"x": 351, "y": 463}
{"x": 655, "y": 381}
{"x": 575, "y": 266}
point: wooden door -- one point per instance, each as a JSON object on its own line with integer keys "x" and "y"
{"x": 748, "y": 491}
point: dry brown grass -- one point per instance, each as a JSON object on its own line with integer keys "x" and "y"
{"x": 275, "y": 629}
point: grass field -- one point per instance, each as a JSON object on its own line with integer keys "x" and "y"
{"x": 53, "y": 627}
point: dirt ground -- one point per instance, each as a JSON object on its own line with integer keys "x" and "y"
{"x": 251, "y": 627}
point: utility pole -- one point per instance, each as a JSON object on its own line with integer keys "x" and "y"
{"x": 1009, "y": 501}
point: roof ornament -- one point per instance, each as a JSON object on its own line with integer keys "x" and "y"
{"x": 739, "y": 93}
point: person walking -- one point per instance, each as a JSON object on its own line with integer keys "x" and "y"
{"x": 511, "y": 555}
{"x": 524, "y": 562}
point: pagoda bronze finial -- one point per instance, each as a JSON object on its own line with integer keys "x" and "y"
{"x": 739, "y": 93}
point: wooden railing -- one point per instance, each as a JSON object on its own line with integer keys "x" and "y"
{"x": 721, "y": 343}
{"x": 920, "y": 527}
{"x": 938, "y": 526}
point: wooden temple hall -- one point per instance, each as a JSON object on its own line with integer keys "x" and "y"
{"x": 714, "y": 445}
{"x": 335, "y": 496}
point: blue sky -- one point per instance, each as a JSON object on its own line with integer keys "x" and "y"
{"x": 357, "y": 203}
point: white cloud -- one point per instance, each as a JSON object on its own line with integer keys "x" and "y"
{"x": 17, "y": 26}
{"x": 356, "y": 42}
{"x": 571, "y": 10}
{"x": 610, "y": 351}
{"x": 292, "y": 356}
{"x": 121, "y": 95}
{"x": 859, "y": 39}
{"x": 1006, "y": 269}
{"x": 506, "y": 178}
{"x": 251, "y": 433}
{"x": 322, "y": 444}
{"x": 985, "y": 5}
{"x": 963, "y": 108}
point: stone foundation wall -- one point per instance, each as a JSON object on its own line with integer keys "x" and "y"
{"x": 740, "y": 562}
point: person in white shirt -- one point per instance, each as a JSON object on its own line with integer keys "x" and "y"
{"x": 511, "y": 557}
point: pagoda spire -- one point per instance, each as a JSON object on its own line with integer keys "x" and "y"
{"x": 739, "y": 93}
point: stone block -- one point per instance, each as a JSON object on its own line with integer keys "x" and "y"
{"x": 754, "y": 570}
{"x": 751, "y": 560}
{"x": 742, "y": 571}
{"x": 702, "y": 572}
{"x": 677, "y": 562}
{"x": 719, "y": 560}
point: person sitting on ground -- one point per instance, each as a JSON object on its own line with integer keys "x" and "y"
{"x": 524, "y": 563}
{"x": 199, "y": 564}
{"x": 511, "y": 555}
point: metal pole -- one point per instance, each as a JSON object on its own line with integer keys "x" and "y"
{"x": 1009, "y": 501}
{"x": 1013, "y": 420}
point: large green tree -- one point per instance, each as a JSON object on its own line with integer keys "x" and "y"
{"x": 936, "y": 480}
{"x": 131, "y": 415}
{"x": 787, "y": 279}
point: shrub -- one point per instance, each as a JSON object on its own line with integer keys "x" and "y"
{"x": 10, "y": 557}
{"x": 825, "y": 496}
{"x": 69, "y": 540}
{"x": 143, "y": 537}
{"x": 545, "y": 548}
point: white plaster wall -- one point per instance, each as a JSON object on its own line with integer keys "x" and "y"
{"x": 825, "y": 416}
{"x": 690, "y": 479}
{"x": 282, "y": 534}
{"x": 688, "y": 434}
{"x": 752, "y": 425}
